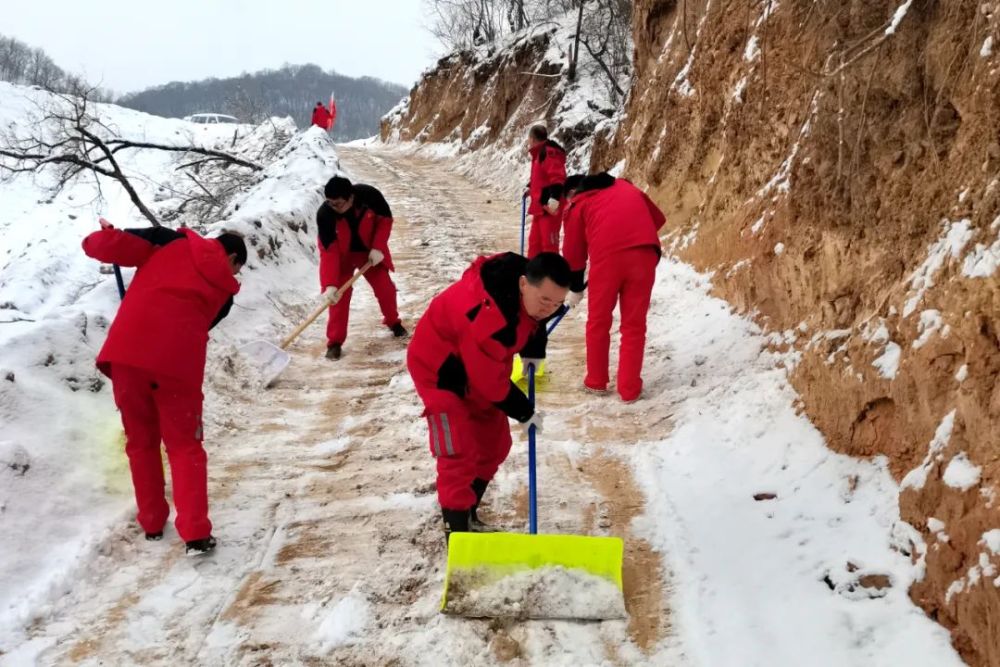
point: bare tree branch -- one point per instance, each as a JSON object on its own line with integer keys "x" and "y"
{"x": 121, "y": 144}
{"x": 612, "y": 79}
{"x": 575, "y": 54}
{"x": 68, "y": 139}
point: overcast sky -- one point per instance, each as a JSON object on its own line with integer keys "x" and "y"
{"x": 127, "y": 45}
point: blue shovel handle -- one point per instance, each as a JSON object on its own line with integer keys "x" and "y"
{"x": 557, "y": 319}
{"x": 532, "y": 439}
{"x": 120, "y": 281}
{"x": 524, "y": 215}
{"x": 532, "y": 484}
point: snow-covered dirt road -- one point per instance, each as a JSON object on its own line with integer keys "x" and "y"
{"x": 331, "y": 549}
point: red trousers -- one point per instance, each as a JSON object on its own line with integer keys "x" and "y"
{"x": 544, "y": 234}
{"x": 624, "y": 277}
{"x": 382, "y": 285}
{"x": 467, "y": 445}
{"x": 156, "y": 409}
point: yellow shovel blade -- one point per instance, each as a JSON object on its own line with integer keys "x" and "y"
{"x": 481, "y": 561}
{"x": 518, "y": 374}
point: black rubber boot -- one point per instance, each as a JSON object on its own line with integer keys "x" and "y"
{"x": 333, "y": 351}
{"x": 455, "y": 521}
{"x": 398, "y": 330}
{"x": 200, "y": 547}
{"x": 479, "y": 487}
{"x": 154, "y": 537}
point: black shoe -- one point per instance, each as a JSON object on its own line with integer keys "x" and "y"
{"x": 479, "y": 487}
{"x": 199, "y": 547}
{"x": 455, "y": 521}
{"x": 154, "y": 537}
{"x": 333, "y": 351}
{"x": 398, "y": 330}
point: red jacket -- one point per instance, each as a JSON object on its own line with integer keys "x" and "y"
{"x": 373, "y": 220}
{"x": 548, "y": 174}
{"x": 182, "y": 288}
{"x": 321, "y": 117}
{"x": 607, "y": 215}
{"x": 464, "y": 345}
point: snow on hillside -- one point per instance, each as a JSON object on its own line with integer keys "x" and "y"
{"x": 583, "y": 109}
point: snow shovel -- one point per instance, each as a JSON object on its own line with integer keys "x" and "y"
{"x": 272, "y": 359}
{"x": 518, "y": 374}
{"x": 524, "y": 216}
{"x": 503, "y": 575}
{"x": 120, "y": 282}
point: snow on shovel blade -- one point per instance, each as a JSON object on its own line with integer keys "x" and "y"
{"x": 269, "y": 359}
{"x": 512, "y": 575}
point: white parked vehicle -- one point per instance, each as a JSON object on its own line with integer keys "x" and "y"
{"x": 211, "y": 118}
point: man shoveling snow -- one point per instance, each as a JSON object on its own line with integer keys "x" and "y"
{"x": 354, "y": 224}
{"x": 461, "y": 358}
{"x": 155, "y": 358}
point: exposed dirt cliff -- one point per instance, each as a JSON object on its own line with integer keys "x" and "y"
{"x": 837, "y": 166}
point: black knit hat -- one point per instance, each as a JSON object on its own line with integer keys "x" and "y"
{"x": 338, "y": 187}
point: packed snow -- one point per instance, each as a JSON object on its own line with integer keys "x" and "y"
{"x": 962, "y": 374}
{"x": 986, "y": 50}
{"x": 888, "y": 363}
{"x": 897, "y": 17}
{"x": 343, "y": 624}
{"x": 955, "y": 236}
{"x": 930, "y": 323}
{"x": 917, "y": 477}
{"x": 542, "y": 592}
{"x": 991, "y": 539}
{"x": 961, "y": 473}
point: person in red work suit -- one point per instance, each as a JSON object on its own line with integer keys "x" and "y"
{"x": 461, "y": 358}
{"x": 545, "y": 189}
{"x": 615, "y": 225}
{"x": 354, "y": 224}
{"x": 155, "y": 357}
{"x": 321, "y": 117}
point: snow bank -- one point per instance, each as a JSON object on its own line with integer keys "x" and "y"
{"x": 781, "y": 579}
